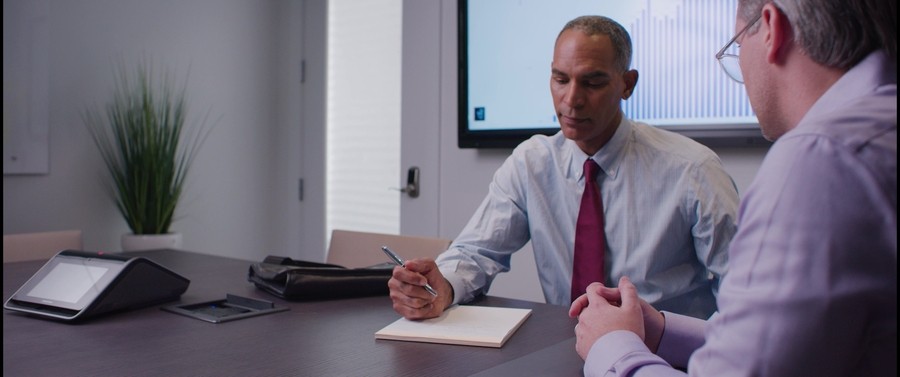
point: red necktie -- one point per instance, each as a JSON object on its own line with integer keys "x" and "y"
{"x": 590, "y": 243}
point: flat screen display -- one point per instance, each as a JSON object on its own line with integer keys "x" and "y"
{"x": 69, "y": 282}
{"x": 506, "y": 46}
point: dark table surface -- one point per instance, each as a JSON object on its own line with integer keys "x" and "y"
{"x": 318, "y": 338}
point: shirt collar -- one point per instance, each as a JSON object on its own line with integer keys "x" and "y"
{"x": 872, "y": 72}
{"x": 609, "y": 157}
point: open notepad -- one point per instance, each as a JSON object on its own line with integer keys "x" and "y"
{"x": 481, "y": 326}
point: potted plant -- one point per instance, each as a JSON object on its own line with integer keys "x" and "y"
{"x": 142, "y": 138}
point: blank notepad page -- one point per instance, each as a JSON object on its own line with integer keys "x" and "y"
{"x": 482, "y": 326}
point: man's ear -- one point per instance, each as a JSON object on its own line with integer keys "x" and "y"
{"x": 631, "y": 78}
{"x": 778, "y": 33}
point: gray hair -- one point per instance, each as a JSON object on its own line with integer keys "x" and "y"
{"x": 836, "y": 33}
{"x": 599, "y": 25}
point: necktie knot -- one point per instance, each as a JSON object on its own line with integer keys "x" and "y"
{"x": 591, "y": 169}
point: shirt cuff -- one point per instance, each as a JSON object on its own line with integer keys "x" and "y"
{"x": 459, "y": 287}
{"x": 681, "y": 337}
{"x": 620, "y": 351}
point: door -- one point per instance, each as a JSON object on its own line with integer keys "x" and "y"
{"x": 422, "y": 114}
{"x": 421, "y": 122}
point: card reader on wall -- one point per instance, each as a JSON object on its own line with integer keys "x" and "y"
{"x": 75, "y": 285}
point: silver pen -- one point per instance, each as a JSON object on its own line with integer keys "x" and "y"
{"x": 396, "y": 258}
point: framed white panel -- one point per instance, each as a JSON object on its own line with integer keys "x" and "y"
{"x": 26, "y": 50}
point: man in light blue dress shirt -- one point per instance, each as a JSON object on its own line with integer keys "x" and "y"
{"x": 669, "y": 206}
{"x": 812, "y": 287}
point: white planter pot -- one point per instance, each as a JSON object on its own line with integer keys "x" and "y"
{"x": 134, "y": 242}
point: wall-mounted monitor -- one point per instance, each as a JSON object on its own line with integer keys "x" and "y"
{"x": 505, "y": 49}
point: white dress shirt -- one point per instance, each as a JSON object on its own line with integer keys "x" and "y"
{"x": 669, "y": 209}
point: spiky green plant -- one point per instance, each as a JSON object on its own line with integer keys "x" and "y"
{"x": 143, "y": 144}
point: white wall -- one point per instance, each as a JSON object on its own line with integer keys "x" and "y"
{"x": 239, "y": 54}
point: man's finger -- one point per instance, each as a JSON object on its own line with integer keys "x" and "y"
{"x": 577, "y": 306}
{"x": 628, "y": 293}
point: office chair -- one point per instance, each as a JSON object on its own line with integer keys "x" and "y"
{"x": 39, "y": 246}
{"x": 353, "y": 249}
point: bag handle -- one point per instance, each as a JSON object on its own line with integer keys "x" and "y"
{"x": 285, "y": 261}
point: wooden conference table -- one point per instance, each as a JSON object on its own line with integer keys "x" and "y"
{"x": 319, "y": 338}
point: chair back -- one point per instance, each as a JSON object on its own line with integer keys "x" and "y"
{"x": 354, "y": 249}
{"x": 39, "y": 246}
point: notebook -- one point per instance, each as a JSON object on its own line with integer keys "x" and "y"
{"x": 481, "y": 326}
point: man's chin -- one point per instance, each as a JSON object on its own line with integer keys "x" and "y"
{"x": 574, "y": 133}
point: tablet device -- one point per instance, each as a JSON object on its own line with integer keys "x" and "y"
{"x": 75, "y": 284}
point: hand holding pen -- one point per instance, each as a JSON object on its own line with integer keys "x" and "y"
{"x": 399, "y": 261}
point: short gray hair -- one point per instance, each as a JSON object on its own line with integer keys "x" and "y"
{"x": 599, "y": 25}
{"x": 836, "y": 33}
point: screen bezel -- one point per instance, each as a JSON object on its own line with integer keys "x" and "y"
{"x": 713, "y": 135}
{"x": 113, "y": 266}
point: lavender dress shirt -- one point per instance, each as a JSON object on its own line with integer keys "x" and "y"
{"x": 812, "y": 284}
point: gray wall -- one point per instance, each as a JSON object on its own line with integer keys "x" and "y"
{"x": 244, "y": 59}
{"x": 236, "y": 57}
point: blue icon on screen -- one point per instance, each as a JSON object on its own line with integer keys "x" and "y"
{"x": 479, "y": 113}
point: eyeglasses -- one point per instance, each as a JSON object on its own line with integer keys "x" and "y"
{"x": 729, "y": 62}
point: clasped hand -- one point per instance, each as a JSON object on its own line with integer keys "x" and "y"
{"x": 408, "y": 294}
{"x": 602, "y": 310}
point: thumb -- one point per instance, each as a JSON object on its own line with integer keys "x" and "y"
{"x": 629, "y": 293}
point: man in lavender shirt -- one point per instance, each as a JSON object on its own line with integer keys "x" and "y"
{"x": 812, "y": 287}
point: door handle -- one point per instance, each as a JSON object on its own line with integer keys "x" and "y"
{"x": 412, "y": 182}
